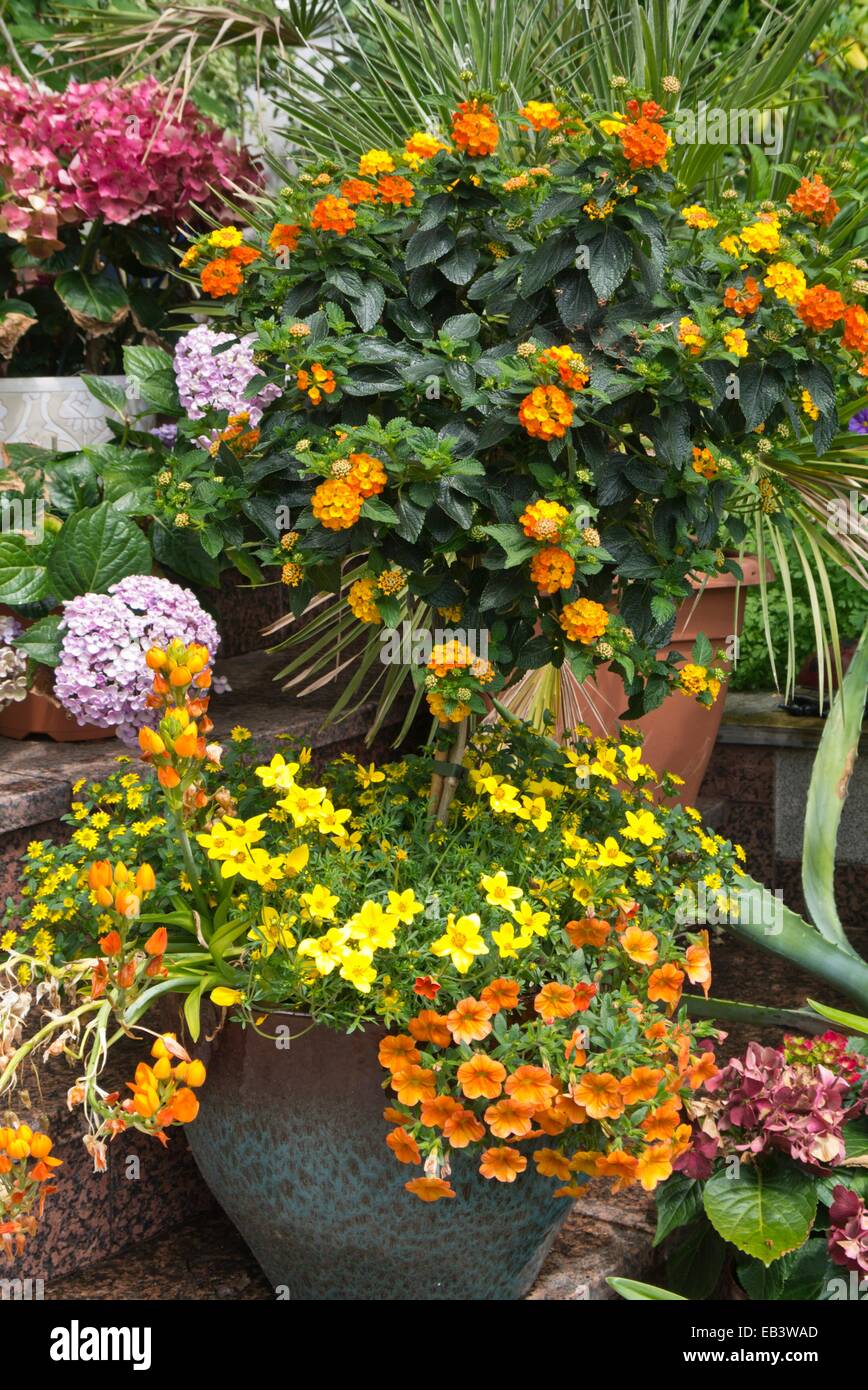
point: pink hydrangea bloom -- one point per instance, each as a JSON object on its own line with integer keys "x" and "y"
{"x": 100, "y": 148}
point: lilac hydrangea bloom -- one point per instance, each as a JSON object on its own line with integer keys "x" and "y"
{"x": 859, "y": 422}
{"x": 218, "y": 380}
{"x": 166, "y": 434}
{"x": 102, "y": 678}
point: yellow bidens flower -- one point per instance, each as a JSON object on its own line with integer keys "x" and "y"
{"x": 698, "y": 217}
{"x": 584, "y": 620}
{"x": 362, "y": 602}
{"x": 786, "y": 280}
{"x": 462, "y": 941}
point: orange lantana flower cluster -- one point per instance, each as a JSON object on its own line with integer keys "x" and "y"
{"x": 813, "y": 200}
{"x": 643, "y": 140}
{"x": 474, "y": 128}
{"x": 337, "y": 503}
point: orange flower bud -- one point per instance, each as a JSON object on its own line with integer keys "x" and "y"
{"x": 186, "y": 744}
{"x": 162, "y": 1069}
{"x": 19, "y": 1148}
{"x": 122, "y": 873}
{"x": 157, "y": 942}
{"x": 180, "y": 676}
{"x": 195, "y": 1072}
{"x": 110, "y": 945}
{"x": 203, "y": 680}
{"x": 150, "y": 742}
{"x": 127, "y": 904}
{"x": 155, "y": 658}
{"x": 167, "y": 777}
{"x": 40, "y": 1146}
{"x": 145, "y": 879}
{"x": 104, "y": 897}
{"x": 127, "y": 974}
{"x": 155, "y": 967}
{"x": 100, "y": 874}
{"x": 161, "y": 686}
{"x": 5, "y": 1163}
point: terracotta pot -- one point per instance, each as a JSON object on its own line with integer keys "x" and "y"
{"x": 680, "y": 733}
{"x": 291, "y": 1141}
{"x": 37, "y": 714}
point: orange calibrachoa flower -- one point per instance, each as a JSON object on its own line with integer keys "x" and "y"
{"x": 413, "y": 1083}
{"x": 543, "y": 520}
{"x": 555, "y": 1001}
{"x": 531, "y": 1086}
{"x": 820, "y": 308}
{"x": 500, "y": 994}
{"x": 599, "y": 1094}
{"x": 584, "y": 620}
{"x": 221, "y": 276}
{"x": 697, "y": 963}
{"x": 284, "y": 236}
{"x": 619, "y": 1165}
{"x": 552, "y": 569}
{"x": 509, "y": 1118}
{"x": 437, "y": 1110}
{"x": 333, "y": 214}
{"x": 403, "y": 1146}
{"x": 429, "y": 1189}
{"x": 666, "y": 984}
{"x": 502, "y": 1163}
{"x": 336, "y": 504}
{"x": 469, "y": 1021}
{"x": 588, "y": 931}
{"x": 654, "y": 1166}
{"x": 397, "y": 1051}
{"x": 463, "y": 1128}
{"x": 481, "y": 1076}
{"x": 430, "y": 1027}
{"x": 662, "y": 1122}
{"x": 551, "y": 1163}
{"x": 546, "y": 412}
{"x": 474, "y": 128}
{"x": 640, "y": 946}
{"x": 813, "y": 200}
{"x": 641, "y": 1085}
{"x": 745, "y": 300}
{"x": 702, "y": 1070}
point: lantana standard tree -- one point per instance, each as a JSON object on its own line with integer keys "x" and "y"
{"x": 525, "y": 393}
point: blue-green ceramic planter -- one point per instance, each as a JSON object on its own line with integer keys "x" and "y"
{"x": 292, "y": 1144}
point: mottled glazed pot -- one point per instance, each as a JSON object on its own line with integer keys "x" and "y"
{"x": 292, "y": 1144}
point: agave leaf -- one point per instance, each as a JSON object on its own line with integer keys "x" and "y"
{"x": 855, "y": 1023}
{"x": 833, "y": 766}
{"x": 634, "y": 1290}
